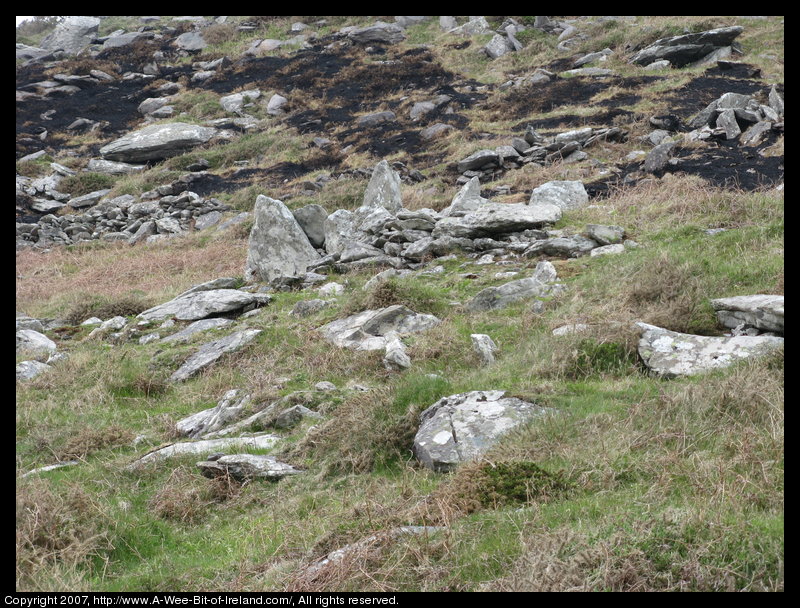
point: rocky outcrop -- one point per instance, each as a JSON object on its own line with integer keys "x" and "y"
{"x": 761, "y": 312}
{"x": 685, "y": 49}
{"x": 541, "y": 285}
{"x": 201, "y": 304}
{"x": 462, "y": 427}
{"x": 72, "y": 35}
{"x": 209, "y": 353}
{"x": 206, "y": 446}
{"x": 213, "y": 419}
{"x": 373, "y": 329}
{"x": 243, "y": 467}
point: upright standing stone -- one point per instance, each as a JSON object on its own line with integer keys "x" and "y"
{"x": 278, "y": 246}
{"x": 383, "y": 189}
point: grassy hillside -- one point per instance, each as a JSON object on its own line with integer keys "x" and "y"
{"x": 636, "y": 484}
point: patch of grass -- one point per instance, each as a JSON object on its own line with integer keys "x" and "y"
{"x": 106, "y": 308}
{"x": 84, "y": 183}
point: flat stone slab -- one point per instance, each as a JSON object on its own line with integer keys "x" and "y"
{"x": 463, "y": 427}
{"x": 202, "y": 325}
{"x": 247, "y": 466}
{"x": 497, "y": 218}
{"x": 157, "y": 142}
{"x": 209, "y": 353}
{"x": 369, "y": 330}
{"x": 196, "y": 305}
{"x": 207, "y": 421}
{"x": 673, "y": 354}
{"x": 760, "y": 311}
{"x": 206, "y": 446}
{"x": 541, "y": 284}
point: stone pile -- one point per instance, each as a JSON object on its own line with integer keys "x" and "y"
{"x": 734, "y": 116}
{"x": 162, "y": 213}
{"x": 535, "y": 148}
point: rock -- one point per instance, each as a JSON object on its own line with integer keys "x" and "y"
{"x": 763, "y": 312}
{"x": 564, "y": 246}
{"x": 373, "y": 120}
{"x": 607, "y": 249}
{"x": 658, "y": 157}
{"x": 192, "y": 306}
{"x": 191, "y": 41}
{"x": 387, "y": 33}
{"x": 541, "y": 284}
{"x": 396, "y": 357}
{"x": 113, "y": 324}
{"x": 236, "y": 101}
{"x": 206, "y": 446}
{"x": 463, "y": 427}
{"x": 498, "y": 46}
{"x": 209, "y": 353}
{"x": 605, "y": 235}
{"x": 157, "y": 142}
{"x": 72, "y": 35}
{"x": 682, "y": 50}
{"x": 435, "y": 131}
{"x": 573, "y": 328}
{"x": 34, "y": 343}
{"x": 292, "y": 416}
{"x": 50, "y": 467}
{"x": 27, "y": 370}
{"x": 277, "y": 105}
{"x": 468, "y": 199}
{"x": 97, "y": 165}
{"x": 478, "y": 160}
{"x": 475, "y": 25}
{"x": 563, "y": 194}
{"x": 755, "y": 135}
{"x": 727, "y": 122}
{"x": 369, "y": 330}
{"x": 383, "y": 189}
{"x": 671, "y": 354}
{"x": 278, "y": 246}
{"x": 227, "y": 409}
{"x": 202, "y": 325}
{"x": 311, "y": 219}
{"x": 484, "y": 347}
{"x": 220, "y": 283}
{"x": 497, "y": 218}
{"x": 87, "y": 200}
{"x": 594, "y": 72}
{"x": 242, "y": 467}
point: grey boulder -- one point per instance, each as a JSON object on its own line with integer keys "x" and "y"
{"x": 541, "y": 284}
{"x": 671, "y": 354}
{"x": 685, "y": 49}
{"x": 72, "y": 35}
{"x": 564, "y": 194}
{"x": 209, "y": 353}
{"x": 242, "y": 467}
{"x": 371, "y": 329}
{"x": 157, "y": 142}
{"x": 490, "y": 219}
{"x": 227, "y": 409}
{"x": 463, "y": 427}
{"x": 197, "y": 305}
{"x": 763, "y": 312}
{"x": 278, "y": 246}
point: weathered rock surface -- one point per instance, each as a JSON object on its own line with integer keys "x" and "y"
{"x": 484, "y": 347}
{"x": 278, "y": 246}
{"x": 72, "y": 35}
{"x": 763, "y": 312}
{"x": 157, "y": 142}
{"x": 462, "y": 427}
{"x": 564, "y": 194}
{"x": 227, "y": 409}
{"x": 371, "y": 329}
{"x": 682, "y": 50}
{"x": 27, "y": 370}
{"x": 209, "y": 353}
{"x": 242, "y": 467}
{"x": 541, "y": 284}
{"x": 389, "y": 33}
{"x": 196, "y": 305}
{"x": 207, "y": 446}
{"x": 32, "y": 342}
{"x": 490, "y": 219}
{"x": 672, "y": 354}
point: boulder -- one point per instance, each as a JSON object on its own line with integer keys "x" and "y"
{"x": 157, "y": 142}
{"x": 191, "y": 41}
{"x": 478, "y": 160}
{"x": 383, "y": 189}
{"x": 209, "y": 353}
{"x": 292, "y": 416}
{"x": 671, "y": 354}
{"x": 381, "y": 32}
{"x": 484, "y": 347}
{"x": 541, "y": 284}
{"x": 32, "y": 342}
{"x": 658, "y": 157}
{"x": 72, "y": 35}
{"x": 685, "y": 49}
{"x": 463, "y": 427}
{"x": 497, "y": 218}
{"x": 396, "y": 357}
{"x": 468, "y": 199}
{"x": 236, "y": 101}
{"x": 227, "y": 409}
{"x": 311, "y": 219}
{"x": 278, "y": 246}
{"x": 369, "y": 330}
{"x": 763, "y": 312}
{"x": 564, "y": 194}
{"x": 190, "y": 330}
{"x": 605, "y": 235}
{"x": 196, "y": 305}
{"x": 26, "y": 370}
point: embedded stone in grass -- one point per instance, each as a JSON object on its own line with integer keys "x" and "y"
{"x": 247, "y": 466}
{"x": 35, "y": 343}
{"x": 484, "y": 347}
{"x": 563, "y": 194}
{"x": 206, "y": 446}
{"x": 369, "y": 330}
{"x": 157, "y": 142}
{"x": 195, "y": 305}
{"x": 462, "y": 427}
{"x": 212, "y": 419}
{"x": 760, "y": 311}
{"x": 673, "y": 354}
{"x": 541, "y": 284}
{"x": 209, "y": 353}
{"x": 27, "y": 370}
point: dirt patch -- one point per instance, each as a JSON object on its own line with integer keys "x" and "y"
{"x": 701, "y": 91}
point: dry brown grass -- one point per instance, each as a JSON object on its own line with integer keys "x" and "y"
{"x": 49, "y": 282}
{"x": 187, "y": 496}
